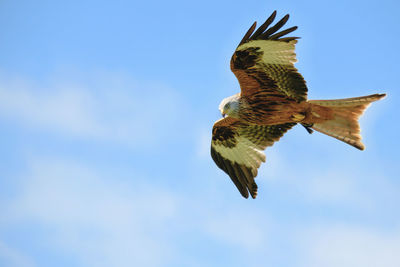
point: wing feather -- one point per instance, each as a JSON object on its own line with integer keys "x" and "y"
{"x": 227, "y": 166}
{"x": 282, "y": 33}
{"x": 276, "y": 27}
{"x": 248, "y": 33}
{"x": 237, "y": 149}
{"x": 265, "y": 25}
{"x": 265, "y": 61}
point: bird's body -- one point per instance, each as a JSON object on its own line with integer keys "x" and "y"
{"x": 271, "y": 111}
{"x": 272, "y": 100}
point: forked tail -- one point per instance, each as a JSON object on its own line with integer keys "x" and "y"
{"x": 342, "y": 117}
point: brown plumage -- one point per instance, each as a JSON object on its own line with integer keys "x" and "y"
{"x": 272, "y": 100}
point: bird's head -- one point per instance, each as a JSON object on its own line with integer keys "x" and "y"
{"x": 230, "y": 106}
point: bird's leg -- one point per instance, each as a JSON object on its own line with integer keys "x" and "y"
{"x": 308, "y": 127}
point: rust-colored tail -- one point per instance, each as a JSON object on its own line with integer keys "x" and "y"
{"x": 344, "y": 114}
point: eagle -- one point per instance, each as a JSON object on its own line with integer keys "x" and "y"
{"x": 273, "y": 99}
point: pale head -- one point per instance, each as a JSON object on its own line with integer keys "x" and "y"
{"x": 230, "y": 106}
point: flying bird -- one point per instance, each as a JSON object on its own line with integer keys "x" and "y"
{"x": 273, "y": 98}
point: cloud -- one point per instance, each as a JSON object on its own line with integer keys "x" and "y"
{"x": 98, "y": 221}
{"x": 349, "y": 246}
{"x": 69, "y": 110}
{"x": 334, "y": 186}
{"x": 101, "y": 219}
{"x": 343, "y": 184}
{"x": 10, "y": 257}
{"x": 203, "y": 143}
{"x": 235, "y": 228}
{"x": 105, "y": 107}
{"x": 106, "y": 220}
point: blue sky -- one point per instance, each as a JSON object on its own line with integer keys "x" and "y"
{"x": 106, "y": 111}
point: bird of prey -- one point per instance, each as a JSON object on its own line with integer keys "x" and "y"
{"x": 273, "y": 98}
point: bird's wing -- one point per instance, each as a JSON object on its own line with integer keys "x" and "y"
{"x": 237, "y": 148}
{"x": 264, "y": 62}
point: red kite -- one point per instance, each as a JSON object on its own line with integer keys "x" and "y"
{"x": 272, "y": 100}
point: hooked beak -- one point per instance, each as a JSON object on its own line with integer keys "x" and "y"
{"x": 223, "y": 115}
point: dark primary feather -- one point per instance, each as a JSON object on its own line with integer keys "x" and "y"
{"x": 275, "y": 28}
{"x": 262, "y": 33}
{"x": 256, "y": 75}
{"x": 232, "y": 169}
{"x": 282, "y": 33}
{"x": 248, "y": 33}
{"x": 262, "y": 28}
{"x": 225, "y": 135}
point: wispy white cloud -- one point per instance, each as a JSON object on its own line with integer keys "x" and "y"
{"x": 111, "y": 107}
{"x": 334, "y": 187}
{"x": 349, "y": 246}
{"x": 67, "y": 110}
{"x": 100, "y": 222}
{"x": 235, "y": 228}
{"x": 203, "y": 142}
{"x": 344, "y": 184}
{"x": 10, "y": 257}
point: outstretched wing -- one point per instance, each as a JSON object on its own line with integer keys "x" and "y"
{"x": 264, "y": 62}
{"x": 237, "y": 148}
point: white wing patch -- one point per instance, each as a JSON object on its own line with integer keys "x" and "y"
{"x": 274, "y": 52}
{"x": 245, "y": 152}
